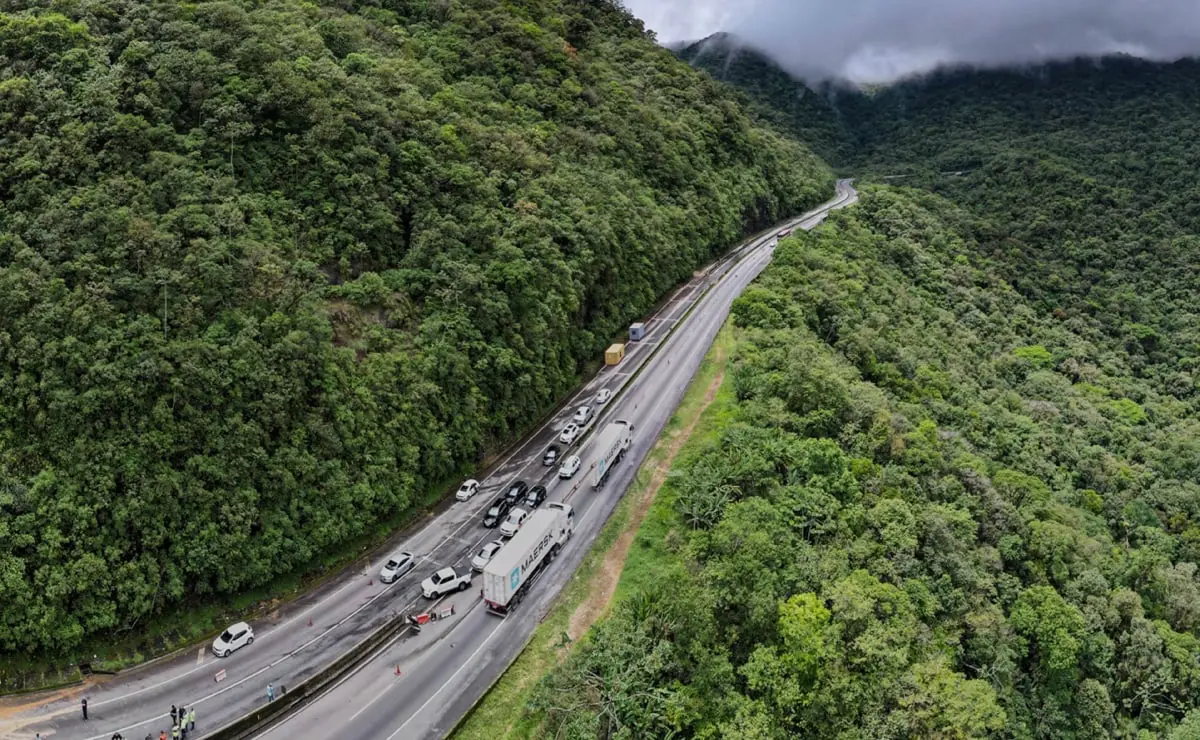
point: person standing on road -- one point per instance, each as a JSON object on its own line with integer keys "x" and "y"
{"x": 175, "y": 732}
{"x": 174, "y": 712}
{"x": 162, "y": 735}
{"x": 83, "y": 705}
{"x": 192, "y": 718}
{"x": 270, "y": 692}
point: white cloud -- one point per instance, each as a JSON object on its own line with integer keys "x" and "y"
{"x": 879, "y": 40}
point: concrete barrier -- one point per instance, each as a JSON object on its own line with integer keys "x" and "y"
{"x": 293, "y": 699}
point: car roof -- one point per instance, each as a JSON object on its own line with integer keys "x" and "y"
{"x": 469, "y": 482}
{"x": 238, "y": 626}
{"x": 493, "y": 545}
{"x": 445, "y": 573}
{"x": 400, "y": 556}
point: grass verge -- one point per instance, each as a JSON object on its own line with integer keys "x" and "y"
{"x": 634, "y": 541}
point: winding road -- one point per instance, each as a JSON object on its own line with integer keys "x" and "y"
{"x": 449, "y": 664}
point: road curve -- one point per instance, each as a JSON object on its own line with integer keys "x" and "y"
{"x": 450, "y": 664}
{"x": 447, "y": 666}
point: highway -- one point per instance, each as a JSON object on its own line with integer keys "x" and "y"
{"x": 448, "y": 665}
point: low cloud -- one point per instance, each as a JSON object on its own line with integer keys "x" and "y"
{"x": 882, "y": 40}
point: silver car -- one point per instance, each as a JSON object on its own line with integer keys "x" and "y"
{"x": 396, "y": 566}
{"x": 485, "y": 555}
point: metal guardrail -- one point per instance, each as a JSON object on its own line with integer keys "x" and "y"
{"x": 293, "y": 699}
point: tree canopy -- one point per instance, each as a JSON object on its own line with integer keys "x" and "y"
{"x": 271, "y": 270}
{"x": 919, "y": 518}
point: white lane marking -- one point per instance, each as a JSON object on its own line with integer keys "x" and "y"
{"x": 449, "y": 681}
{"x": 265, "y": 636}
{"x": 200, "y": 656}
{"x": 267, "y": 667}
{"x": 369, "y": 704}
{"x": 315, "y": 701}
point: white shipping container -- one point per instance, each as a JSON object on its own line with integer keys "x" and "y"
{"x": 535, "y": 544}
{"x": 610, "y": 446}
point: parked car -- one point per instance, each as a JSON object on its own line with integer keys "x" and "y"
{"x": 603, "y": 396}
{"x": 570, "y": 467}
{"x": 551, "y": 456}
{"x": 569, "y": 433}
{"x": 496, "y": 512}
{"x": 535, "y": 497}
{"x": 467, "y": 490}
{"x": 515, "y": 519}
{"x": 485, "y": 554}
{"x": 582, "y": 415}
{"x": 396, "y": 566}
{"x": 445, "y": 581}
{"x": 236, "y": 636}
{"x": 516, "y": 492}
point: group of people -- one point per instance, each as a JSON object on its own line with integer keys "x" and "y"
{"x": 183, "y": 721}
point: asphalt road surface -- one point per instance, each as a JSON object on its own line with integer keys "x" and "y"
{"x": 447, "y": 666}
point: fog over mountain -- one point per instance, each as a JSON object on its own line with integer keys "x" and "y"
{"x": 882, "y": 40}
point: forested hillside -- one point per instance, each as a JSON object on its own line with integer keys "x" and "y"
{"x": 1087, "y": 173}
{"x": 270, "y": 271}
{"x": 810, "y": 113}
{"x": 933, "y": 509}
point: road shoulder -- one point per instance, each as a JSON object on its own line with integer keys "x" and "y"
{"x": 632, "y": 538}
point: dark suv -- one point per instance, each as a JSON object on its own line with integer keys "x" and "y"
{"x": 516, "y": 492}
{"x": 550, "y": 457}
{"x": 535, "y": 497}
{"x": 496, "y": 513}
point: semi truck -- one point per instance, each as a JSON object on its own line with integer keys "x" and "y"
{"x": 507, "y": 576}
{"x": 610, "y": 448}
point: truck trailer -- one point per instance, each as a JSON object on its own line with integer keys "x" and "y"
{"x": 507, "y": 576}
{"x": 610, "y": 447}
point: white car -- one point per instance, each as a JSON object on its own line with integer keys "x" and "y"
{"x": 603, "y": 396}
{"x": 515, "y": 519}
{"x": 582, "y": 415}
{"x": 445, "y": 581}
{"x": 569, "y": 433}
{"x": 486, "y": 553}
{"x": 570, "y": 467}
{"x": 237, "y": 636}
{"x": 396, "y": 566}
{"x": 467, "y": 490}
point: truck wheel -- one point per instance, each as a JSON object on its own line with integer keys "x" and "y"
{"x": 463, "y": 586}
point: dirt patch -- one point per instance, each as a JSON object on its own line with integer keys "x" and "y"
{"x": 604, "y": 583}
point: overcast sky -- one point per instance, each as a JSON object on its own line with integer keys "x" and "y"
{"x": 880, "y": 40}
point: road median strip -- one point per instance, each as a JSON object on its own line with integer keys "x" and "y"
{"x": 297, "y": 697}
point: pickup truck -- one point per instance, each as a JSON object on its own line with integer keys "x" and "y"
{"x": 445, "y": 581}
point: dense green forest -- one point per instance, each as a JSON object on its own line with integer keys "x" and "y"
{"x": 269, "y": 271}
{"x": 809, "y": 111}
{"x": 1087, "y": 173}
{"x": 956, "y": 492}
{"x": 935, "y": 510}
